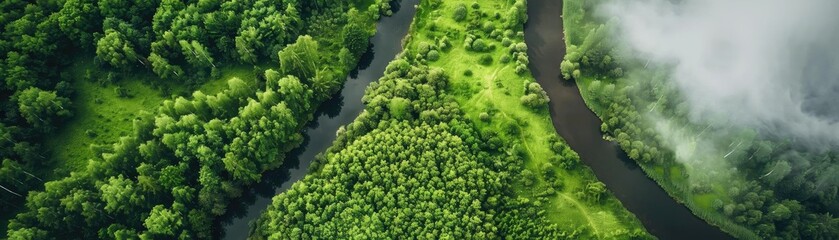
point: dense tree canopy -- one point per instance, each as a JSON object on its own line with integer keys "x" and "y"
{"x": 179, "y": 167}
{"x": 42, "y": 108}
{"x": 409, "y": 165}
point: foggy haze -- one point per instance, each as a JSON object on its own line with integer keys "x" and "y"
{"x": 771, "y": 65}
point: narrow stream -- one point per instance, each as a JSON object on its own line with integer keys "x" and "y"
{"x": 341, "y": 110}
{"x": 660, "y": 214}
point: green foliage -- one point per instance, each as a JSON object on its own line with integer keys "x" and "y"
{"x": 356, "y": 37}
{"x": 593, "y": 191}
{"x": 42, "y": 109}
{"x": 301, "y": 58}
{"x": 433, "y": 55}
{"x": 378, "y": 170}
{"x": 400, "y": 108}
{"x": 485, "y": 60}
{"x": 479, "y": 45}
{"x": 77, "y": 20}
{"x": 246, "y": 44}
{"x": 175, "y": 170}
{"x": 484, "y": 116}
{"x": 218, "y": 154}
{"x": 115, "y": 50}
{"x": 460, "y": 12}
{"x": 163, "y": 222}
{"x": 568, "y": 68}
{"x": 163, "y": 68}
{"x": 535, "y": 97}
{"x": 455, "y": 168}
{"x": 393, "y": 209}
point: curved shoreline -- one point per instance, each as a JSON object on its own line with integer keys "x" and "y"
{"x": 338, "y": 111}
{"x": 661, "y": 215}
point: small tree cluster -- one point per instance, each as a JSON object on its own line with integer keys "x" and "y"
{"x": 535, "y": 97}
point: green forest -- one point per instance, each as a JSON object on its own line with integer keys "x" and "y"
{"x": 177, "y": 162}
{"x": 154, "y": 119}
{"x": 437, "y": 154}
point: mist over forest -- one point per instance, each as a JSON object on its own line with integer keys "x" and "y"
{"x": 768, "y": 67}
{"x": 764, "y": 64}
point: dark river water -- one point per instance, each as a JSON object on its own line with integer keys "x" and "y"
{"x": 660, "y": 214}
{"x": 341, "y": 110}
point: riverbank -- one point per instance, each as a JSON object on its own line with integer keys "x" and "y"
{"x": 676, "y": 212}
{"x": 319, "y": 134}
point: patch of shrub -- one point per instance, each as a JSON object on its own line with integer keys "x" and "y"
{"x": 479, "y": 45}
{"x": 484, "y": 116}
{"x": 486, "y": 60}
{"x": 444, "y": 43}
{"x": 460, "y": 12}
{"x": 432, "y": 55}
{"x": 505, "y": 59}
{"x": 506, "y": 42}
{"x": 535, "y": 97}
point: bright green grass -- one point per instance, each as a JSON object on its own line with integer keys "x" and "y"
{"x": 101, "y": 117}
{"x": 498, "y": 86}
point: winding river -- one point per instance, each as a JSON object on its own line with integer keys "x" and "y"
{"x": 660, "y": 214}
{"x": 341, "y": 110}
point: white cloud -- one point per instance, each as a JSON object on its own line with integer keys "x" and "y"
{"x": 772, "y": 65}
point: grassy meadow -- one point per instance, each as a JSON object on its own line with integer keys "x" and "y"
{"x": 496, "y": 88}
{"x": 101, "y": 115}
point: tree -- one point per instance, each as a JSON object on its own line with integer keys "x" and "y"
{"x": 567, "y": 68}
{"x": 301, "y": 59}
{"x": 115, "y": 50}
{"x": 356, "y": 38}
{"x": 42, "y": 108}
{"x": 163, "y": 221}
{"x": 165, "y": 15}
{"x": 779, "y": 212}
{"x": 162, "y": 68}
{"x": 400, "y": 108}
{"x": 196, "y": 54}
{"x": 479, "y": 45}
{"x": 535, "y": 97}
{"x": 78, "y": 19}
{"x": 460, "y": 12}
{"x": 517, "y": 15}
{"x": 295, "y": 95}
{"x": 246, "y": 45}
{"x": 27, "y": 233}
{"x": 119, "y": 195}
{"x": 114, "y": 8}
{"x": 595, "y": 190}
